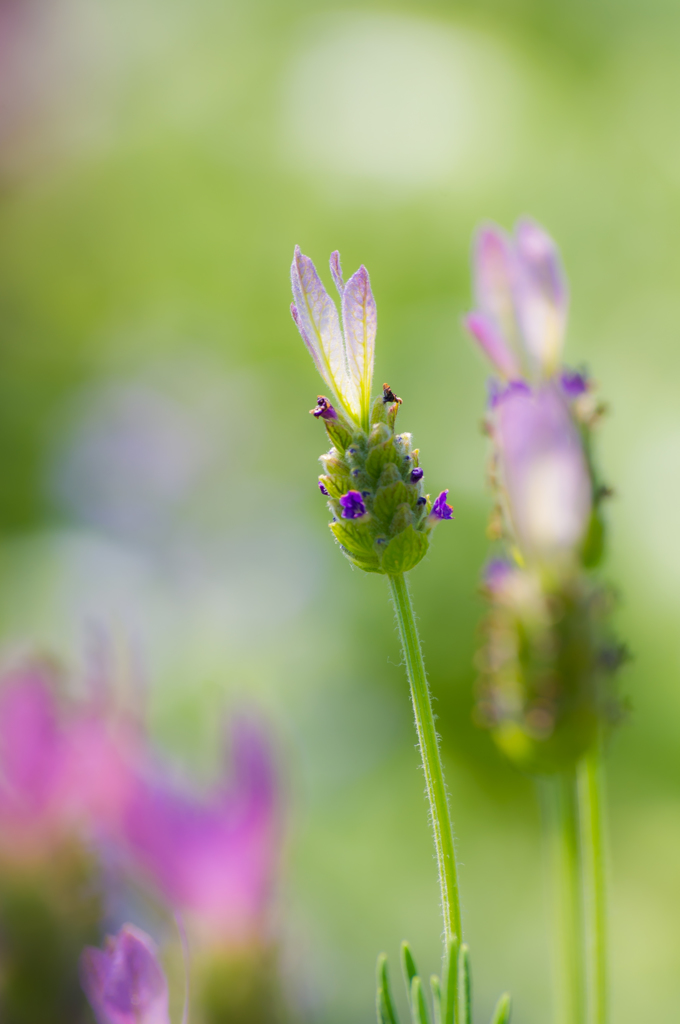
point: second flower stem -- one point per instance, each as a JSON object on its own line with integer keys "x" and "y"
{"x": 429, "y": 750}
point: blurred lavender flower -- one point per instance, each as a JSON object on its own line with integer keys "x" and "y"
{"x": 546, "y": 685}
{"x": 213, "y": 858}
{"x": 344, "y": 358}
{"x": 124, "y": 982}
{"x": 522, "y": 301}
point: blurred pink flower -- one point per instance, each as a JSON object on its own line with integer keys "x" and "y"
{"x": 58, "y": 772}
{"x": 124, "y": 982}
{"x": 213, "y": 858}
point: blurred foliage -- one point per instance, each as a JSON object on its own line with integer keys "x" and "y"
{"x": 155, "y": 178}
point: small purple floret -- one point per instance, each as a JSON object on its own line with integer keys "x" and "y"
{"x": 323, "y": 490}
{"x": 352, "y": 505}
{"x": 440, "y": 510}
{"x": 416, "y": 475}
{"x": 324, "y": 409}
{"x": 498, "y": 392}
{"x": 573, "y": 383}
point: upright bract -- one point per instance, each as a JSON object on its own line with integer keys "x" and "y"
{"x": 124, "y": 982}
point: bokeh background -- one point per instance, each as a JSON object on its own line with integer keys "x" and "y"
{"x": 159, "y": 159}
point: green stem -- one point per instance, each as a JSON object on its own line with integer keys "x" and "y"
{"x": 563, "y": 831}
{"x": 429, "y": 750}
{"x": 590, "y": 805}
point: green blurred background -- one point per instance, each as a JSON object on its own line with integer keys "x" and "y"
{"x": 158, "y": 498}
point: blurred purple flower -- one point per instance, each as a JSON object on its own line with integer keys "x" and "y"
{"x": 352, "y": 505}
{"x": 416, "y": 475}
{"x": 213, "y": 858}
{"x": 124, "y": 982}
{"x": 521, "y": 297}
{"x": 544, "y": 474}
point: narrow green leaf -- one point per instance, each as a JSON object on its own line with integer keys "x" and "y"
{"x": 409, "y": 966}
{"x": 464, "y": 1011}
{"x": 384, "y": 1005}
{"x": 419, "y": 1012}
{"x": 450, "y": 982}
{"x": 436, "y": 998}
{"x": 501, "y": 1015}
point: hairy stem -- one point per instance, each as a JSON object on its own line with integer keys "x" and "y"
{"x": 429, "y": 750}
{"x": 590, "y": 806}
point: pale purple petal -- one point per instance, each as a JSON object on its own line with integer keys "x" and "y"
{"x": 494, "y": 277}
{"x": 124, "y": 982}
{"x": 360, "y": 321}
{"x": 310, "y": 348}
{"x": 317, "y": 318}
{"x": 543, "y": 470}
{"x": 492, "y": 341}
{"x": 336, "y": 271}
{"x": 541, "y": 295}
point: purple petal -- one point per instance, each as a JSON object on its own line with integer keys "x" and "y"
{"x": 416, "y": 475}
{"x": 323, "y": 490}
{"x": 318, "y": 322}
{"x": 124, "y": 982}
{"x": 541, "y": 295}
{"x": 440, "y": 510}
{"x": 360, "y": 321}
{"x": 352, "y": 505}
{"x": 494, "y": 275}
{"x": 485, "y": 330}
{"x": 544, "y": 471}
{"x": 336, "y": 271}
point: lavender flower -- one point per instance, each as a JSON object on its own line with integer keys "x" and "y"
{"x": 522, "y": 301}
{"x": 352, "y": 505}
{"x": 124, "y": 982}
{"x": 416, "y": 475}
{"x": 440, "y": 510}
{"x": 344, "y": 358}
